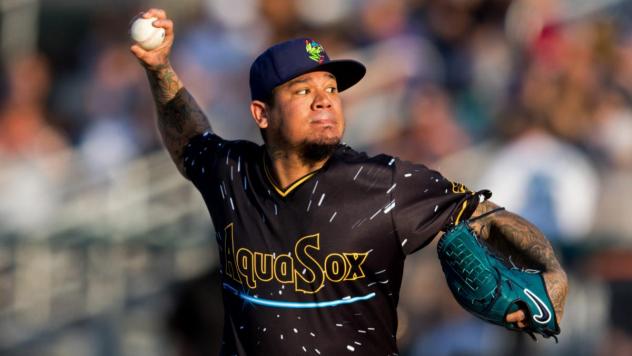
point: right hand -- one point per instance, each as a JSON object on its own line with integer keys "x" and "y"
{"x": 157, "y": 58}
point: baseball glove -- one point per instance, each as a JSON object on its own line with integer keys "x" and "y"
{"x": 486, "y": 287}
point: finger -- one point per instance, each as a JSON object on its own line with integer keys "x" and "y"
{"x": 516, "y": 316}
{"x": 166, "y": 24}
{"x": 153, "y": 12}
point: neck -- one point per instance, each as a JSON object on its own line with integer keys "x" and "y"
{"x": 288, "y": 166}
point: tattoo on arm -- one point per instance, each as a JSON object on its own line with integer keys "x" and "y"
{"x": 179, "y": 116}
{"x": 511, "y": 236}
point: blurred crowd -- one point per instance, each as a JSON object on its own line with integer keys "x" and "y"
{"x": 531, "y": 99}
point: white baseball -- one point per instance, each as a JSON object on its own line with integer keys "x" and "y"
{"x": 145, "y": 34}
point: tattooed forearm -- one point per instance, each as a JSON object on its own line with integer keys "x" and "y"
{"x": 509, "y": 234}
{"x": 164, "y": 83}
{"x": 179, "y": 116}
{"x": 514, "y": 238}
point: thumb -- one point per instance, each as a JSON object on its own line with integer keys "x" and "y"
{"x": 137, "y": 50}
{"x": 515, "y": 316}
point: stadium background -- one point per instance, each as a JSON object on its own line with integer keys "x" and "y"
{"x": 106, "y": 251}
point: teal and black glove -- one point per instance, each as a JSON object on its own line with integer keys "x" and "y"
{"x": 486, "y": 287}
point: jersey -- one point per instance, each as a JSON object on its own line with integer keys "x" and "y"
{"x": 316, "y": 267}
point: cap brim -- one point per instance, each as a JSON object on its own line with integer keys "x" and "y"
{"x": 347, "y": 72}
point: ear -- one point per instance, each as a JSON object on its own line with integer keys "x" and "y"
{"x": 259, "y": 111}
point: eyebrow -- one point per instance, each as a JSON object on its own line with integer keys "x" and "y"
{"x": 305, "y": 80}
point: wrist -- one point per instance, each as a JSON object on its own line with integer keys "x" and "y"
{"x": 159, "y": 69}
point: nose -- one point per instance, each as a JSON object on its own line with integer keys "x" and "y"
{"x": 321, "y": 100}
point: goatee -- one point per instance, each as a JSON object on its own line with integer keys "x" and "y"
{"x": 313, "y": 152}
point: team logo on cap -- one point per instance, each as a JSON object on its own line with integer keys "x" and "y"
{"x": 315, "y": 51}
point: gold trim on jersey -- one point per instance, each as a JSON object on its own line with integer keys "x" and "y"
{"x": 458, "y": 217}
{"x": 288, "y": 190}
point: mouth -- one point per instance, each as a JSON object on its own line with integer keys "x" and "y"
{"x": 323, "y": 121}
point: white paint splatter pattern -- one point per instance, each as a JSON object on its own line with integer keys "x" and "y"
{"x": 389, "y": 207}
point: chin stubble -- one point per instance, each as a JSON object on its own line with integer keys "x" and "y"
{"x": 313, "y": 152}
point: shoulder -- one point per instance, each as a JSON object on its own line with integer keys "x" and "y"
{"x": 347, "y": 155}
{"x": 209, "y": 152}
{"x": 209, "y": 143}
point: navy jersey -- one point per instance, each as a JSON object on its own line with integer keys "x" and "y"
{"x": 316, "y": 268}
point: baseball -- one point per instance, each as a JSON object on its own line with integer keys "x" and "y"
{"x": 145, "y": 34}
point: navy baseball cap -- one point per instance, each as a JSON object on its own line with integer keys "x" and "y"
{"x": 290, "y": 59}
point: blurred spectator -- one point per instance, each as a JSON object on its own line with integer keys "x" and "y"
{"x": 545, "y": 180}
{"x": 111, "y": 100}
{"x": 28, "y": 179}
{"x": 431, "y": 132}
{"x": 613, "y": 129}
{"x": 24, "y": 127}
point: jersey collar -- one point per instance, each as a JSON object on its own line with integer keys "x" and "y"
{"x": 291, "y": 187}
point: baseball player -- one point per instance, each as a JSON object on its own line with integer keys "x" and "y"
{"x": 312, "y": 235}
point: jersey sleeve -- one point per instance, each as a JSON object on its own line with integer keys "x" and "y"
{"x": 201, "y": 155}
{"x": 427, "y": 203}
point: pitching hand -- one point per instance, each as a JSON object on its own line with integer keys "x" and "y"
{"x": 156, "y": 58}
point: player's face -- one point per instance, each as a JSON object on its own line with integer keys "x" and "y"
{"x": 307, "y": 110}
